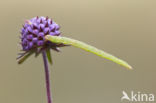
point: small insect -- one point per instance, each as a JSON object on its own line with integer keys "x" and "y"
{"x": 86, "y": 47}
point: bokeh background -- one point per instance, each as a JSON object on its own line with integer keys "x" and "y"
{"x": 125, "y": 28}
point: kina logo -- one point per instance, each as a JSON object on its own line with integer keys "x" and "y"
{"x": 137, "y": 97}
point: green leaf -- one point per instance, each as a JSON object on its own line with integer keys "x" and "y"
{"x": 49, "y": 56}
{"x": 21, "y": 60}
{"x": 86, "y": 47}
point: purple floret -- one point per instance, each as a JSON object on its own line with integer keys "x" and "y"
{"x": 34, "y": 31}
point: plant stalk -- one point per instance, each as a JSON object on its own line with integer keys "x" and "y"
{"x": 47, "y": 77}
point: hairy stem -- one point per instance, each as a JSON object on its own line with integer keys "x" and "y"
{"x": 47, "y": 77}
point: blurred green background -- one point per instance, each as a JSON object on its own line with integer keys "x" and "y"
{"x": 125, "y": 28}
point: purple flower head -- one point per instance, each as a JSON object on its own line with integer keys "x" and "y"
{"x": 33, "y": 36}
{"x": 34, "y": 31}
